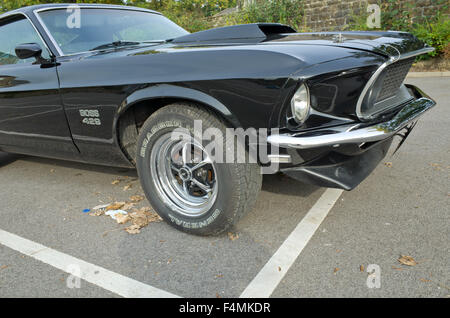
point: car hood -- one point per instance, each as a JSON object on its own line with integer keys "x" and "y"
{"x": 387, "y": 43}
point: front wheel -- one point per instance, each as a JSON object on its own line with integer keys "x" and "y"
{"x": 185, "y": 185}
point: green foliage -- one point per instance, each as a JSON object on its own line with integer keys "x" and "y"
{"x": 7, "y": 5}
{"x": 193, "y": 15}
{"x": 435, "y": 33}
{"x": 433, "y": 30}
{"x": 193, "y": 21}
{"x": 205, "y": 8}
{"x": 288, "y": 12}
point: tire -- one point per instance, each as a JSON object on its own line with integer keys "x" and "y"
{"x": 204, "y": 201}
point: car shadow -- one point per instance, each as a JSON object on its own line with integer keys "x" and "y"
{"x": 278, "y": 183}
{"x": 82, "y": 166}
{"x": 282, "y": 184}
{"x": 7, "y": 158}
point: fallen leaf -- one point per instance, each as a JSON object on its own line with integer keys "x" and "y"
{"x": 388, "y": 164}
{"x": 436, "y": 166}
{"x": 115, "y": 182}
{"x": 3, "y": 267}
{"x": 425, "y": 280}
{"x": 140, "y": 221}
{"x": 122, "y": 219}
{"x": 335, "y": 270}
{"x": 143, "y": 217}
{"x": 233, "y": 236}
{"x": 52, "y": 170}
{"x": 219, "y": 276}
{"x": 136, "y": 198}
{"x": 397, "y": 268}
{"x": 153, "y": 217}
{"x": 128, "y": 206}
{"x": 115, "y": 206}
{"x": 361, "y": 268}
{"x": 145, "y": 209}
{"x": 279, "y": 268}
{"x": 407, "y": 260}
{"x": 97, "y": 212}
{"x": 217, "y": 295}
{"x": 127, "y": 187}
{"x": 133, "y": 229}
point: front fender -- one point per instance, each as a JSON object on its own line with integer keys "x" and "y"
{"x": 173, "y": 91}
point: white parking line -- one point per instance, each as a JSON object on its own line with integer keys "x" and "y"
{"x": 91, "y": 273}
{"x": 263, "y": 285}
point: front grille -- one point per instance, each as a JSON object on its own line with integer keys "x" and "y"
{"x": 392, "y": 77}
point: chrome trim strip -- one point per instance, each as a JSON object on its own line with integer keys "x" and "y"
{"x": 7, "y": 15}
{"x": 378, "y": 72}
{"x": 81, "y": 6}
{"x": 356, "y": 134}
{"x": 50, "y": 36}
{"x": 279, "y": 158}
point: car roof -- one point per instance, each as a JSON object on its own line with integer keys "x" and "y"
{"x": 29, "y": 10}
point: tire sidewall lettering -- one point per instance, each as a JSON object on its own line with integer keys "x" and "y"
{"x": 195, "y": 225}
{"x": 155, "y": 129}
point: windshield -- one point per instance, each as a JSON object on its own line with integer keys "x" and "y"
{"x": 102, "y": 28}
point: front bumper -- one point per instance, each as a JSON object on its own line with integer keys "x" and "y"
{"x": 358, "y": 133}
{"x": 335, "y": 168}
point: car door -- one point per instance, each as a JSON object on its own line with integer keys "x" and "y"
{"x": 32, "y": 118}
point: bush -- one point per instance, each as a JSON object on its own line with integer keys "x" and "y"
{"x": 436, "y": 34}
{"x": 288, "y": 12}
{"x": 433, "y": 30}
{"x": 193, "y": 21}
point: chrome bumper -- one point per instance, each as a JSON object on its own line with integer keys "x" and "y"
{"x": 357, "y": 133}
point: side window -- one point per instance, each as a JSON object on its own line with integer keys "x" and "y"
{"x": 15, "y": 32}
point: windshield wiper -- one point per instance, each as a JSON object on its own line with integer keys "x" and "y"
{"x": 155, "y": 41}
{"x": 114, "y": 44}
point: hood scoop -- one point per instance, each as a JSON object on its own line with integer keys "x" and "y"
{"x": 255, "y": 31}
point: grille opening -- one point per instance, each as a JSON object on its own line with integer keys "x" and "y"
{"x": 392, "y": 77}
{"x": 387, "y": 91}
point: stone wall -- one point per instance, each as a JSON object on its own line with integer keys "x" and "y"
{"x": 323, "y": 15}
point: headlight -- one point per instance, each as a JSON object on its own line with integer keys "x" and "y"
{"x": 300, "y": 104}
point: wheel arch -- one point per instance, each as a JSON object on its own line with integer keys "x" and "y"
{"x": 141, "y": 104}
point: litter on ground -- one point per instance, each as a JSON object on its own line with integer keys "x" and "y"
{"x": 113, "y": 213}
{"x": 125, "y": 212}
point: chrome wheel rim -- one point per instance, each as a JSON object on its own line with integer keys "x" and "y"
{"x": 184, "y": 175}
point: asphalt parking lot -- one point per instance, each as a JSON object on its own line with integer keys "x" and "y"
{"x": 402, "y": 208}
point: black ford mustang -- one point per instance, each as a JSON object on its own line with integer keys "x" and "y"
{"x": 110, "y": 85}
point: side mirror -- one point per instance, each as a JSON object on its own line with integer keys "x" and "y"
{"x": 29, "y": 50}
